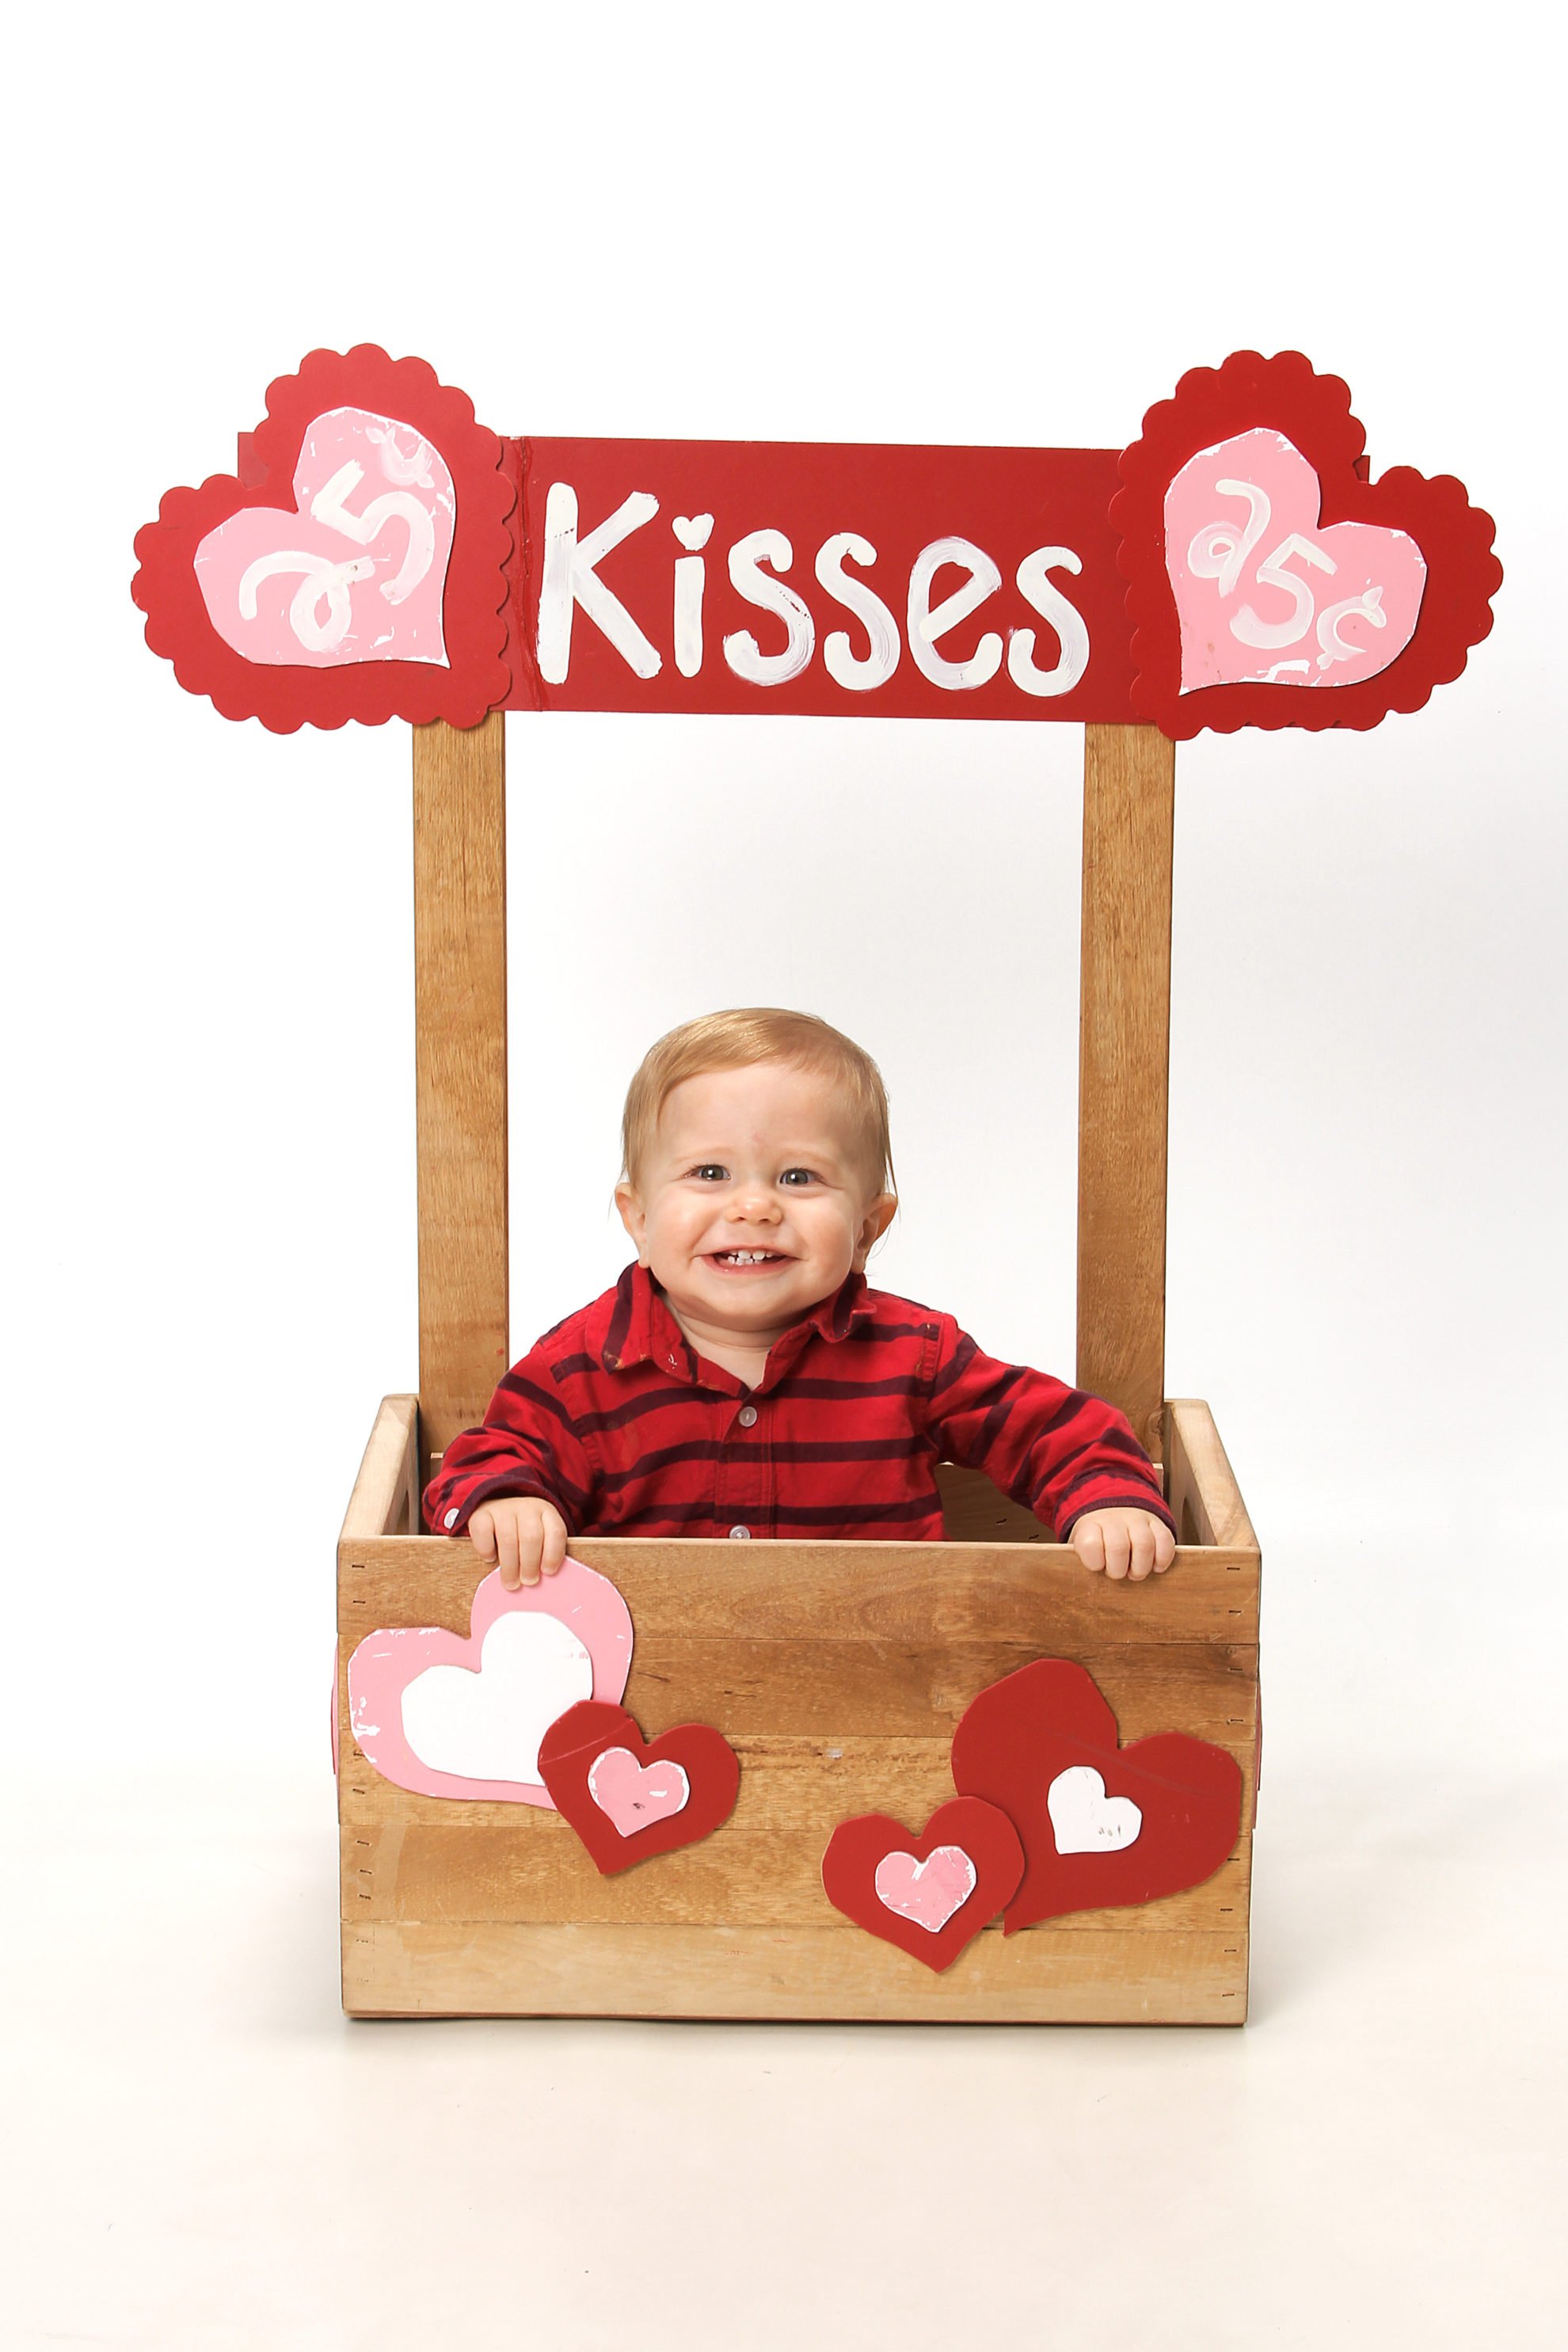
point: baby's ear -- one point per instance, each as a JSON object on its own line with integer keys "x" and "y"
{"x": 633, "y": 1216}
{"x": 878, "y": 1216}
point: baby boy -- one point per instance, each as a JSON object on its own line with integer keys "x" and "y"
{"x": 740, "y": 1380}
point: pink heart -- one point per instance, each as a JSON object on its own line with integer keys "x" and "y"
{"x": 450, "y": 1718}
{"x": 356, "y": 570}
{"x": 634, "y": 1794}
{"x": 1264, "y": 596}
{"x": 927, "y": 1892}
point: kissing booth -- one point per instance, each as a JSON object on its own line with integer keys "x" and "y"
{"x": 958, "y": 1781}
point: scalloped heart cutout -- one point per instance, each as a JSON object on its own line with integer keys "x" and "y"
{"x": 1412, "y": 569}
{"x": 356, "y": 565}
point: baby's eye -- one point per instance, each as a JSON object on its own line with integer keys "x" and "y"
{"x": 799, "y": 1176}
{"x": 710, "y": 1172}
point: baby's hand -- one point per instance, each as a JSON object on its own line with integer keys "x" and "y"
{"x": 522, "y": 1535}
{"x": 1123, "y": 1542}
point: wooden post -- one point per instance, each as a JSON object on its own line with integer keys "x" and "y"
{"x": 459, "y": 993}
{"x": 1125, "y": 1029}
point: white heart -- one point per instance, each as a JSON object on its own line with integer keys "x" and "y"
{"x": 1084, "y": 1820}
{"x": 488, "y": 1725}
{"x": 691, "y": 530}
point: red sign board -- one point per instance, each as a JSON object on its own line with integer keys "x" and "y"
{"x": 379, "y": 553}
{"x": 896, "y": 582}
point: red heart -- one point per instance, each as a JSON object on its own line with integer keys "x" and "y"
{"x": 1042, "y": 1744}
{"x": 369, "y": 640}
{"x": 910, "y": 1891}
{"x": 601, "y": 1775}
{"x": 1284, "y": 398}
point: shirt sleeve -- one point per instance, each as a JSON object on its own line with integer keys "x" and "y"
{"x": 1057, "y": 1451}
{"x": 527, "y": 1445}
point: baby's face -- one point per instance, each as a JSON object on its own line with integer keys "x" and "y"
{"x": 751, "y": 1205}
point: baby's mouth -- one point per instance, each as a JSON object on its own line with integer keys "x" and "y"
{"x": 746, "y": 1261}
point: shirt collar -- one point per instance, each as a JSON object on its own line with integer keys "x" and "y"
{"x": 641, "y": 1329}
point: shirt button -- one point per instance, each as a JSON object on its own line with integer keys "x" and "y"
{"x": 742, "y": 1534}
{"x": 747, "y": 1416}
{"x": 450, "y": 1520}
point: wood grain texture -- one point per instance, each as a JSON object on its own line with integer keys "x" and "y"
{"x": 1038, "y": 1597}
{"x": 1048, "y": 1975}
{"x": 536, "y": 1871}
{"x": 459, "y": 981}
{"x": 839, "y": 1672}
{"x": 1124, "y": 1022}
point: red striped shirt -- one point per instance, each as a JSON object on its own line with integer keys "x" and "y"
{"x": 615, "y": 1418}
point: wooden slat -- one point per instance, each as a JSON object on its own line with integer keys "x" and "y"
{"x": 536, "y": 1870}
{"x": 385, "y": 1501}
{"x": 891, "y": 1690}
{"x": 896, "y": 1690}
{"x": 460, "y": 951}
{"x": 1202, "y": 1489}
{"x": 1123, "y": 1061}
{"x": 1049, "y": 1974}
{"x": 1038, "y": 1595}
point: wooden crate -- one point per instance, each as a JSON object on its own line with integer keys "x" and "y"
{"x": 838, "y": 1672}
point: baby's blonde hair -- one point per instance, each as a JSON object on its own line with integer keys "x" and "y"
{"x": 760, "y": 1032}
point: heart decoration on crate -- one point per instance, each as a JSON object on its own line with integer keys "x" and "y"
{"x": 1100, "y": 1824}
{"x": 630, "y": 1797}
{"x": 447, "y": 1717}
{"x": 929, "y": 1895}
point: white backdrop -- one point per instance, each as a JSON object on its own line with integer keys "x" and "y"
{"x": 847, "y": 226}
{"x": 852, "y": 229}
{"x": 995, "y": 223}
